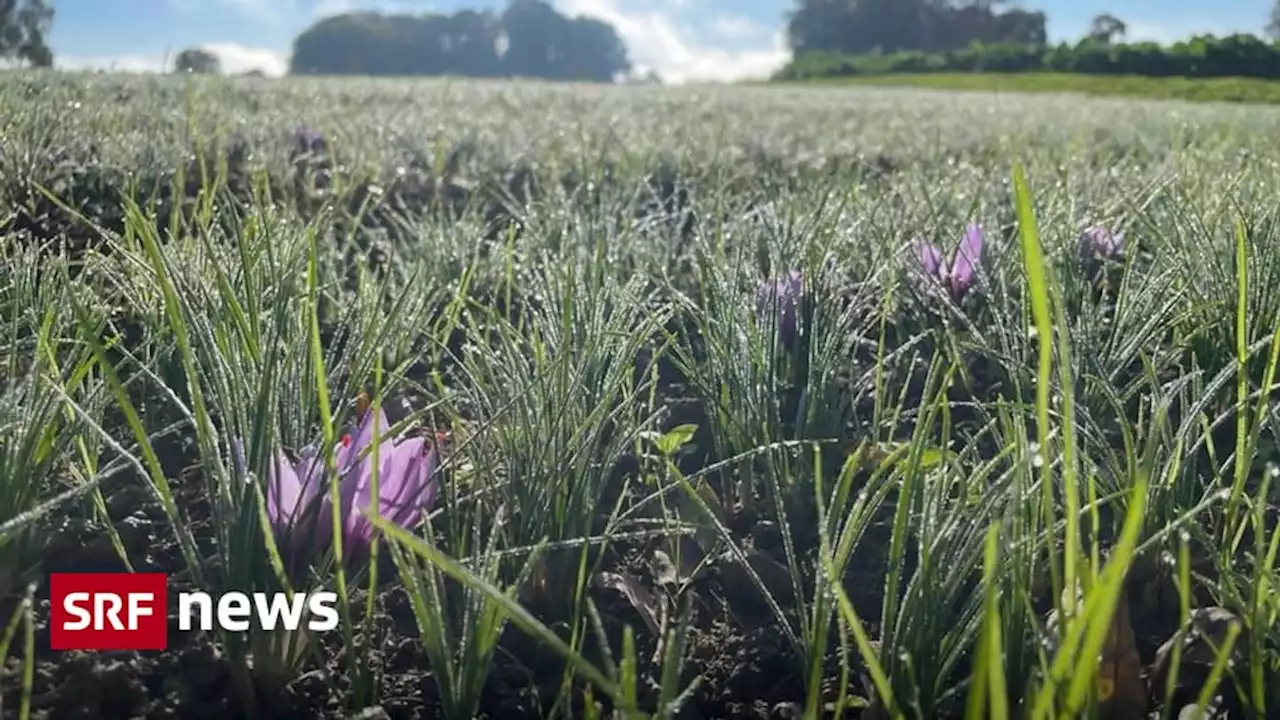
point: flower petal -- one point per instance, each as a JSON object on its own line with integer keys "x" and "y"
{"x": 311, "y": 471}
{"x": 965, "y": 262}
{"x": 930, "y": 257}
{"x": 346, "y": 454}
{"x": 284, "y": 491}
{"x": 404, "y": 501}
{"x": 405, "y": 487}
{"x": 1099, "y": 241}
{"x": 357, "y": 489}
{"x": 355, "y": 462}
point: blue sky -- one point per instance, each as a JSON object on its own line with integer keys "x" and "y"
{"x": 682, "y": 39}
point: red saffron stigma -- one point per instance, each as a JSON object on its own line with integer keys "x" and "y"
{"x": 346, "y": 441}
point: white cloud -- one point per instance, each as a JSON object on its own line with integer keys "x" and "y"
{"x": 325, "y": 8}
{"x": 328, "y": 8}
{"x": 655, "y": 41}
{"x": 735, "y": 27}
{"x": 128, "y": 62}
{"x": 235, "y": 58}
{"x": 1139, "y": 31}
{"x": 273, "y": 12}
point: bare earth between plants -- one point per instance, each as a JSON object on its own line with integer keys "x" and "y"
{"x": 701, "y": 402}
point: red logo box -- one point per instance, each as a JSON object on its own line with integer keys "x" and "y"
{"x": 108, "y": 611}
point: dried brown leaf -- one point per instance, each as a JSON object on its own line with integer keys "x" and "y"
{"x": 648, "y": 604}
{"x": 1121, "y": 689}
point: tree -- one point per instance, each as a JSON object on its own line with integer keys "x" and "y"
{"x": 1107, "y": 29}
{"x": 1023, "y": 27}
{"x": 369, "y": 43}
{"x": 1273, "y": 26}
{"x": 535, "y": 37}
{"x": 24, "y": 24}
{"x": 197, "y": 60}
{"x": 816, "y": 26}
{"x": 531, "y": 38}
{"x": 864, "y": 26}
{"x": 472, "y": 41}
{"x": 594, "y": 52}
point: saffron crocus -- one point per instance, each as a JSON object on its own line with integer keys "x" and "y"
{"x": 298, "y": 500}
{"x": 958, "y": 275}
{"x": 778, "y": 300}
{"x": 1099, "y": 242}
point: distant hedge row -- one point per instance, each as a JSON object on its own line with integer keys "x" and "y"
{"x": 1201, "y": 56}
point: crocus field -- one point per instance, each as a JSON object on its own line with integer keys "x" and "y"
{"x": 736, "y": 402}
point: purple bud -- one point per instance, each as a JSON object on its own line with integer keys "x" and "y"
{"x": 935, "y": 274}
{"x": 1100, "y": 242}
{"x": 964, "y": 264}
{"x": 778, "y": 300}
{"x": 309, "y": 141}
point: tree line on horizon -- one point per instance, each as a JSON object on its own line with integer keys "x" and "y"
{"x": 831, "y": 38}
{"x": 530, "y": 38}
{"x": 856, "y": 27}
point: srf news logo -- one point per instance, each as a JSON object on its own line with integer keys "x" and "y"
{"x": 129, "y": 611}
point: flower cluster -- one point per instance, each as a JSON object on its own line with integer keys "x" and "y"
{"x": 778, "y": 299}
{"x": 954, "y": 278}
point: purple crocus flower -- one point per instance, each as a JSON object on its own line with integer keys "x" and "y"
{"x": 406, "y": 488}
{"x": 778, "y": 299}
{"x": 1099, "y": 242}
{"x": 298, "y": 502}
{"x": 309, "y": 141}
{"x": 958, "y": 275}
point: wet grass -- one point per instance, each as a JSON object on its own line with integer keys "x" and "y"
{"x": 1049, "y": 497}
{"x": 1226, "y": 90}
